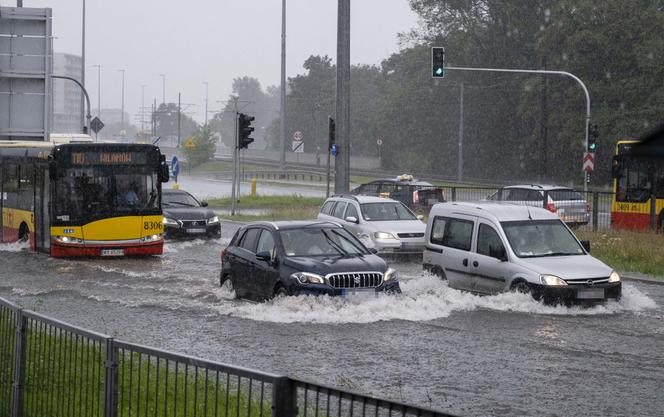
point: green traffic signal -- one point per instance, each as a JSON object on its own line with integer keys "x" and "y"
{"x": 439, "y": 72}
{"x": 437, "y": 62}
{"x": 592, "y": 146}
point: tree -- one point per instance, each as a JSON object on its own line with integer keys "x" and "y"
{"x": 204, "y": 148}
{"x": 166, "y": 120}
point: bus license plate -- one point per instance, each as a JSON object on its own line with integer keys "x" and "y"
{"x": 112, "y": 252}
{"x": 195, "y": 230}
{"x": 590, "y": 294}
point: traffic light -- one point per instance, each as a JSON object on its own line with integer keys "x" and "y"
{"x": 593, "y": 134}
{"x": 437, "y": 62}
{"x": 244, "y": 130}
{"x": 332, "y": 132}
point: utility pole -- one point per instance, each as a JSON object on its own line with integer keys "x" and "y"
{"x": 235, "y": 161}
{"x": 342, "y": 161}
{"x": 206, "y": 102}
{"x": 83, "y": 63}
{"x": 460, "y": 160}
{"x": 98, "y": 89}
{"x": 122, "y": 125}
{"x": 282, "y": 112}
{"x": 179, "y": 114}
{"x": 143, "y": 108}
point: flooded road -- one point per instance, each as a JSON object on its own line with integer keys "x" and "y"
{"x": 433, "y": 346}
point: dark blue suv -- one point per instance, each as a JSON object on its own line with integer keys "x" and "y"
{"x": 266, "y": 259}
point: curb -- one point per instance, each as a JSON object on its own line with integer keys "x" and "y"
{"x": 645, "y": 280}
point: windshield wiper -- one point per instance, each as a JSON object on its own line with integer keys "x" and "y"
{"x": 334, "y": 244}
{"x": 180, "y": 203}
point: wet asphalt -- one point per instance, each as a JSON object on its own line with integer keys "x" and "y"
{"x": 432, "y": 346}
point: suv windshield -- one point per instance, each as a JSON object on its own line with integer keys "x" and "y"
{"x": 537, "y": 238}
{"x": 178, "y": 199}
{"x": 375, "y": 212}
{"x": 320, "y": 241}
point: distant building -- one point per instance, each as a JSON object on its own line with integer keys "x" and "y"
{"x": 66, "y": 94}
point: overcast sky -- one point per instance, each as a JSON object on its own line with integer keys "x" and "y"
{"x": 212, "y": 40}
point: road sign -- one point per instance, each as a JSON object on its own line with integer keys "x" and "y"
{"x": 588, "y": 162}
{"x": 297, "y": 146}
{"x": 96, "y": 125}
{"x": 334, "y": 150}
{"x": 190, "y": 143}
{"x": 298, "y": 136}
{"x": 175, "y": 167}
{"x": 379, "y": 142}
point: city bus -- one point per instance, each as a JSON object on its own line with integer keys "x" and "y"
{"x": 76, "y": 198}
{"x": 638, "y": 189}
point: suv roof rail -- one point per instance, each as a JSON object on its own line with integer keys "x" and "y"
{"x": 350, "y": 196}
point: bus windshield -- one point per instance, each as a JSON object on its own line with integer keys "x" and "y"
{"x": 93, "y": 190}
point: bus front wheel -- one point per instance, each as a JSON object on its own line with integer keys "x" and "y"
{"x": 23, "y": 233}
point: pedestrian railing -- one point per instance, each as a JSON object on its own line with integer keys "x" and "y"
{"x": 51, "y": 368}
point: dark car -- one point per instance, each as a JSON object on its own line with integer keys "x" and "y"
{"x": 186, "y": 217}
{"x": 266, "y": 259}
{"x": 410, "y": 191}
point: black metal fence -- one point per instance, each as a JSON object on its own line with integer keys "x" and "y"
{"x": 586, "y": 210}
{"x": 51, "y": 368}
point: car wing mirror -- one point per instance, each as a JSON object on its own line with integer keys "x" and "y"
{"x": 498, "y": 253}
{"x": 352, "y": 219}
{"x": 373, "y": 250}
{"x": 420, "y": 217}
{"x": 586, "y": 245}
{"x": 264, "y": 256}
{"x": 204, "y": 203}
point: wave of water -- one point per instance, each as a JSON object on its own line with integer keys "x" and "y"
{"x": 14, "y": 247}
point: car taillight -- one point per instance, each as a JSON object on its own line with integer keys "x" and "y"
{"x": 223, "y": 255}
{"x": 551, "y": 207}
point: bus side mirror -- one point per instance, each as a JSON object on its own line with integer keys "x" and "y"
{"x": 164, "y": 172}
{"x": 616, "y": 169}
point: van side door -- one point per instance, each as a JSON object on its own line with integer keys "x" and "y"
{"x": 490, "y": 265}
{"x": 456, "y": 244}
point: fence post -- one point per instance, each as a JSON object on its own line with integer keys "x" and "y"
{"x": 653, "y": 211}
{"x": 284, "y": 398}
{"x": 545, "y": 201}
{"x": 595, "y": 209}
{"x": 111, "y": 380}
{"x": 453, "y": 193}
{"x": 19, "y": 364}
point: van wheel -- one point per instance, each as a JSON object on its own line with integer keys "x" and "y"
{"x": 23, "y": 233}
{"x": 439, "y": 273}
{"x": 522, "y": 287}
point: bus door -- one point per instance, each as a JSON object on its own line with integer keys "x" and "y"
{"x": 42, "y": 221}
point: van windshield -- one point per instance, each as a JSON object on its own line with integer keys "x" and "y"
{"x": 539, "y": 238}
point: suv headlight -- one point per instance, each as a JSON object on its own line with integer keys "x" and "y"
{"x": 383, "y": 235}
{"x": 614, "y": 277}
{"x": 391, "y": 275}
{"x": 307, "y": 278}
{"x": 213, "y": 220}
{"x": 170, "y": 222}
{"x": 552, "y": 280}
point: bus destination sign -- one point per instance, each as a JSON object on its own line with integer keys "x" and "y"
{"x": 108, "y": 158}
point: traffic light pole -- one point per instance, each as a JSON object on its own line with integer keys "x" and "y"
{"x": 342, "y": 160}
{"x": 586, "y": 178}
{"x": 235, "y": 152}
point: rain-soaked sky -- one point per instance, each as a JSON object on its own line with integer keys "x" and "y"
{"x": 211, "y": 40}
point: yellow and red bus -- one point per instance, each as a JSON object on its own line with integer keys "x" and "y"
{"x": 82, "y": 199}
{"x": 638, "y": 197}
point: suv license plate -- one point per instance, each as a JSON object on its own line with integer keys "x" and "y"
{"x": 590, "y": 294}
{"x": 359, "y": 294}
{"x": 195, "y": 230}
{"x": 112, "y": 252}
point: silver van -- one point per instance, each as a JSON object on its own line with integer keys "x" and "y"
{"x": 489, "y": 248}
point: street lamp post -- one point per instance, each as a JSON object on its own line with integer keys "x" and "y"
{"x": 83, "y": 60}
{"x": 122, "y": 125}
{"x": 143, "y": 108}
{"x": 206, "y": 102}
{"x": 163, "y": 88}
{"x": 98, "y": 66}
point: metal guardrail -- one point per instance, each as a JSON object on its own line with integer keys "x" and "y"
{"x": 51, "y": 368}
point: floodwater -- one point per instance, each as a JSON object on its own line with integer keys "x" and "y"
{"x": 432, "y": 345}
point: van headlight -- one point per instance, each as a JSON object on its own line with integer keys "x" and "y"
{"x": 213, "y": 220}
{"x": 614, "y": 277}
{"x": 391, "y": 275}
{"x": 307, "y": 278}
{"x": 170, "y": 222}
{"x": 383, "y": 235}
{"x": 552, "y": 280}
